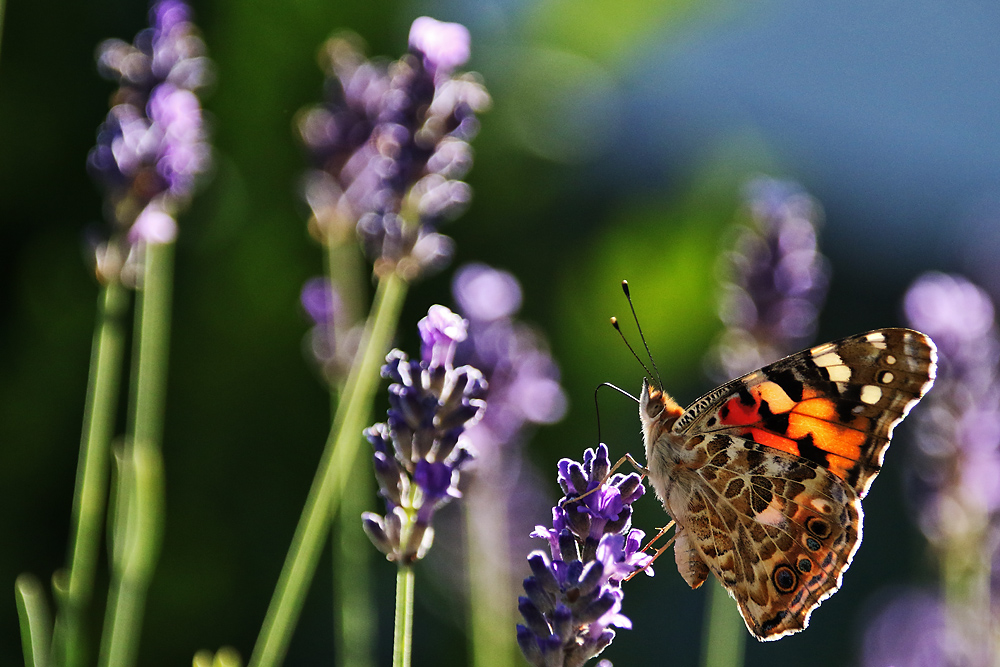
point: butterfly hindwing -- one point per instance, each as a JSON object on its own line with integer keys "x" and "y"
{"x": 778, "y": 532}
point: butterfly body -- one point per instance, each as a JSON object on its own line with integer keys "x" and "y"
{"x": 765, "y": 475}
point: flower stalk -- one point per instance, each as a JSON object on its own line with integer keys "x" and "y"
{"x": 389, "y": 146}
{"x": 331, "y": 477}
{"x": 92, "y": 472}
{"x": 35, "y": 619}
{"x": 402, "y": 637}
{"x": 524, "y": 391}
{"x": 420, "y": 451}
{"x": 139, "y": 502}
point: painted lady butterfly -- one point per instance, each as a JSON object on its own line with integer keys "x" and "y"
{"x": 765, "y": 475}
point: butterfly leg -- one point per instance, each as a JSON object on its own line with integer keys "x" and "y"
{"x": 641, "y": 469}
{"x": 628, "y": 457}
{"x": 658, "y": 551}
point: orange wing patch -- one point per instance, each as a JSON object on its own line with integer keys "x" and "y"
{"x": 809, "y": 428}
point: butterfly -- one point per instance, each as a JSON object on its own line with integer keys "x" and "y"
{"x": 764, "y": 475}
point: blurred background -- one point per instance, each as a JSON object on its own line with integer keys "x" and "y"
{"x": 619, "y": 142}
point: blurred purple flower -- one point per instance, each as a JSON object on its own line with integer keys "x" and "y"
{"x": 775, "y": 282}
{"x": 390, "y": 145}
{"x": 153, "y": 144}
{"x": 957, "y": 475}
{"x": 574, "y": 597}
{"x": 320, "y": 300}
{"x": 331, "y": 341}
{"x": 908, "y": 631}
{"x": 422, "y": 447}
{"x": 959, "y": 427}
{"x": 444, "y": 46}
{"x": 524, "y": 379}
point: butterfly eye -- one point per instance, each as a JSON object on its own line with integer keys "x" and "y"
{"x": 818, "y": 527}
{"x": 784, "y": 579}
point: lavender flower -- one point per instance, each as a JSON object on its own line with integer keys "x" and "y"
{"x": 332, "y": 341}
{"x": 958, "y": 474}
{"x": 776, "y": 280}
{"x": 390, "y": 146}
{"x": 908, "y": 631}
{"x": 524, "y": 379}
{"x": 153, "y": 143}
{"x": 421, "y": 448}
{"x": 574, "y": 597}
{"x": 959, "y": 432}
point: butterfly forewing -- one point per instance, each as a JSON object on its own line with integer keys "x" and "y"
{"x": 835, "y": 404}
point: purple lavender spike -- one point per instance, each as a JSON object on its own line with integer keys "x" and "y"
{"x": 582, "y": 580}
{"x": 421, "y": 449}
{"x": 390, "y": 145}
{"x": 153, "y": 145}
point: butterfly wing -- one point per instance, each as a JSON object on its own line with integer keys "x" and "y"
{"x": 773, "y": 508}
{"x": 778, "y": 531}
{"x": 835, "y": 404}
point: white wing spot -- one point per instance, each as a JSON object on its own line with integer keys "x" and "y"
{"x": 772, "y": 515}
{"x": 821, "y": 505}
{"x": 889, "y": 359}
{"x": 820, "y": 350}
{"x": 871, "y": 394}
{"x": 827, "y": 359}
{"x": 886, "y": 377}
{"x": 839, "y": 373}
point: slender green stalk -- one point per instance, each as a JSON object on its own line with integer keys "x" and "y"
{"x": 355, "y": 616}
{"x": 92, "y": 471}
{"x": 725, "y": 635}
{"x": 139, "y": 499}
{"x": 492, "y": 644}
{"x": 141, "y": 488}
{"x": 354, "y": 631}
{"x": 331, "y": 478}
{"x": 154, "y": 341}
{"x": 965, "y": 578}
{"x": 403, "y": 634}
{"x": 36, "y": 621}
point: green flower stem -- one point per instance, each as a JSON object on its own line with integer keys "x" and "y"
{"x": 355, "y": 615}
{"x": 403, "y": 633}
{"x": 355, "y": 622}
{"x": 154, "y": 339}
{"x": 724, "y": 636}
{"x": 36, "y": 622}
{"x": 139, "y": 500}
{"x": 332, "y": 475}
{"x": 92, "y": 470}
{"x": 965, "y": 578}
{"x": 348, "y": 272}
{"x": 491, "y": 641}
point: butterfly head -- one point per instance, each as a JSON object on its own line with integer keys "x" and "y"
{"x": 657, "y": 413}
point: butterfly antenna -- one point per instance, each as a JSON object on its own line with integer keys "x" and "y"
{"x": 641, "y": 335}
{"x": 597, "y": 405}
{"x": 614, "y": 323}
